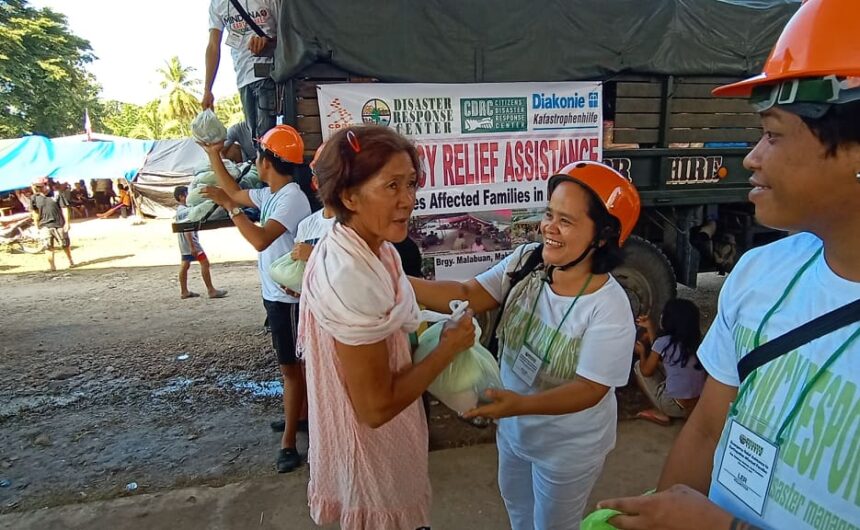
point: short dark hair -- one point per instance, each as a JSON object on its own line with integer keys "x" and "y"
{"x": 607, "y": 229}
{"x": 340, "y": 167}
{"x": 180, "y": 191}
{"x": 282, "y": 167}
{"x": 839, "y": 126}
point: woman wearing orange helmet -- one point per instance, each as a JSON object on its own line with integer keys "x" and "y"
{"x": 565, "y": 336}
{"x": 773, "y": 440}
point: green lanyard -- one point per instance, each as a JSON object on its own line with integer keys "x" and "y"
{"x": 545, "y": 358}
{"x": 268, "y": 205}
{"x": 809, "y": 386}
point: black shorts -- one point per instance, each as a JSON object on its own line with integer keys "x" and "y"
{"x": 284, "y": 323}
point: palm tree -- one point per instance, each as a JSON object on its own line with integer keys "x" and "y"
{"x": 180, "y": 100}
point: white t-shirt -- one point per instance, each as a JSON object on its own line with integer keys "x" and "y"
{"x": 313, "y": 227}
{"x": 816, "y": 482}
{"x": 288, "y": 207}
{"x": 595, "y": 342}
{"x": 224, "y": 17}
{"x": 184, "y": 247}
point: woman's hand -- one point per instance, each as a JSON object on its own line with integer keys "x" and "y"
{"x": 504, "y": 404}
{"x": 301, "y": 252}
{"x": 673, "y": 509}
{"x": 457, "y": 335}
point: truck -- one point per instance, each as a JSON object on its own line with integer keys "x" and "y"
{"x": 658, "y": 62}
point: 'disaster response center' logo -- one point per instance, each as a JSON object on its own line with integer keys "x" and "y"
{"x": 377, "y": 112}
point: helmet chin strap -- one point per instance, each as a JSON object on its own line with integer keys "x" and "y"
{"x": 552, "y": 268}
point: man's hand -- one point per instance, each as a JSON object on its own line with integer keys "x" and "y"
{"x": 258, "y": 44}
{"x": 213, "y": 149}
{"x": 208, "y": 101}
{"x": 219, "y": 196}
{"x": 301, "y": 252}
{"x": 673, "y": 509}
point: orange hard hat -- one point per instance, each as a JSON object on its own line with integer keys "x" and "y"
{"x": 285, "y": 143}
{"x": 820, "y": 40}
{"x": 617, "y": 194}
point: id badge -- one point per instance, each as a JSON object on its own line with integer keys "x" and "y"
{"x": 528, "y": 365}
{"x": 747, "y": 466}
{"x": 234, "y": 40}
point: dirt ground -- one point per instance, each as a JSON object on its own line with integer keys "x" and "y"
{"x": 110, "y": 384}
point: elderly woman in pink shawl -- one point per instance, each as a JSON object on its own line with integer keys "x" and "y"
{"x": 368, "y": 454}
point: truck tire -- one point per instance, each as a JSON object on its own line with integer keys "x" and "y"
{"x": 647, "y": 277}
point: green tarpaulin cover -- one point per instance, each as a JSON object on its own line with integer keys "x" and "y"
{"x": 462, "y": 41}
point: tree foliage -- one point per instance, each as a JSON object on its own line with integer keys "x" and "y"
{"x": 120, "y": 118}
{"x": 170, "y": 115}
{"x": 45, "y": 87}
{"x": 229, "y": 110}
{"x": 44, "y": 84}
{"x": 151, "y": 123}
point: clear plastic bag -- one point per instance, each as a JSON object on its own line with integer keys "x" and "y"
{"x": 206, "y": 128}
{"x": 462, "y": 384}
{"x": 288, "y": 272}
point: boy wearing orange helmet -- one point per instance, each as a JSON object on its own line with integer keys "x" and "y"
{"x": 565, "y": 336}
{"x": 282, "y": 206}
{"x": 773, "y": 440}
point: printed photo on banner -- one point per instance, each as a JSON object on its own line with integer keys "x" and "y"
{"x": 462, "y": 246}
{"x": 463, "y": 233}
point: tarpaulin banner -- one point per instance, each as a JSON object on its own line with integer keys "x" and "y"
{"x": 483, "y": 146}
{"x": 487, "y": 151}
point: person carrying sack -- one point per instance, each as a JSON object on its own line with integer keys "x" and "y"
{"x": 565, "y": 335}
{"x": 252, "y": 28}
{"x": 772, "y": 442}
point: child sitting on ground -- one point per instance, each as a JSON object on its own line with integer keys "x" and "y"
{"x": 190, "y": 249}
{"x": 668, "y": 371}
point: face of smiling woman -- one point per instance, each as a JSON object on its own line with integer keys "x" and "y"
{"x": 566, "y": 227}
{"x": 381, "y": 206}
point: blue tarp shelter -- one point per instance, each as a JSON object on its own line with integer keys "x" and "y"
{"x": 69, "y": 159}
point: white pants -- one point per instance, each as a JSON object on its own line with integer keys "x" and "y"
{"x": 538, "y": 498}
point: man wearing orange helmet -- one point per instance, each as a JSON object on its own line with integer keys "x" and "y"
{"x": 565, "y": 336}
{"x": 773, "y": 440}
{"x": 282, "y": 206}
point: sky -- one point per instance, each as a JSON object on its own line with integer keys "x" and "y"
{"x": 132, "y": 39}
